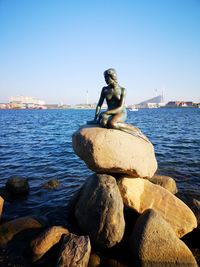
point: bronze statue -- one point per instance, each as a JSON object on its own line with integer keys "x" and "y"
{"x": 116, "y": 113}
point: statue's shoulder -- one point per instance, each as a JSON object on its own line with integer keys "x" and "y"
{"x": 104, "y": 89}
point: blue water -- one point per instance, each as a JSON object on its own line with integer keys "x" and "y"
{"x": 36, "y": 144}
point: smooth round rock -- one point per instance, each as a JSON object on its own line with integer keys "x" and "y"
{"x": 114, "y": 151}
{"x": 41, "y": 244}
{"x": 9, "y": 229}
{"x": 17, "y": 185}
{"x": 154, "y": 243}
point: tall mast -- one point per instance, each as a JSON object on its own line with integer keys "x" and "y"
{"x": 87, "y": 102}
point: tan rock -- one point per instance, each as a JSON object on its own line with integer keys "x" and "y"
{"x": 114, "y": 151}
{"x": 75, "y": 251}
{"x": 140, "y": 195}
{"x": 94, "y": 261}
{"x": 154, "y": 243}
{"x": 46, "y": 240}
{"x": 166, "y": 182}
{"x": 1, "y": 206}
{"x": 9, "y": 229}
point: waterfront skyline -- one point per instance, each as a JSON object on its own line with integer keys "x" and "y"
{"x": 58, "y": 50}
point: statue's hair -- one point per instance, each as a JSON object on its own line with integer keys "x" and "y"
{"x": 112, "y": 73}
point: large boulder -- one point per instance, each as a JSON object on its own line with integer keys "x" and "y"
{"x": 140, "y": 195}
{"x": 99, "y": 210}
{"x": 114, "y": 151}
{"x": 154, "y": 243}
{"x": 75, "y": 251}
{"x": 41, "y": 244}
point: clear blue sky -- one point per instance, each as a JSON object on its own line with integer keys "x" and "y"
{"x": 57, "y": 50}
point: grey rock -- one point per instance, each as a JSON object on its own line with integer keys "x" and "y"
{"x": 154, "y": 243}
{"x": 17, "y": 185}
{"x": 99, "y": 210}
{"x": 75, "y": 251}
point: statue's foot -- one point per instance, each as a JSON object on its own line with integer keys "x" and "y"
{"x": 92, "y": 122}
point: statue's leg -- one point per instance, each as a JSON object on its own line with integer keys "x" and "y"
{"x": 117, "y": 122}
{"x": 104, "y": 119}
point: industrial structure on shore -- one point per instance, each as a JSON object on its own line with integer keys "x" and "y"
{"x": 158, "y": 102}
{"x": 155, "y": 102}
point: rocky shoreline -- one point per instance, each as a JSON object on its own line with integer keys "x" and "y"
{"x": 123, "y": 215}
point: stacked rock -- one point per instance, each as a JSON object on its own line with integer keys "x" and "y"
{"x": 124, "y": 165}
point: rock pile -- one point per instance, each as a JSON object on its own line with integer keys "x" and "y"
{"x": 124, "y": 184}
{"x": 125, "y": 166}
{"x": 71, "y": 250}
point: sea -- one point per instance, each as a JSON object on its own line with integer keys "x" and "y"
{"x": 37, "y": 145}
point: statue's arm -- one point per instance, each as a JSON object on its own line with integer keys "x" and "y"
{"x": 100, "y": 103}
{"x": 121, "y": 104}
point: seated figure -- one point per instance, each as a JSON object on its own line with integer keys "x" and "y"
{"x": 116, "y": 113}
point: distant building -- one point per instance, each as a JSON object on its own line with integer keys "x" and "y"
{"x": 154, "y": 102}
{"x": 179, "y": 104}
{"x": 23, "y": 102}
{"x": 3, "y": 106}
{"x": 173, "y": 104}
{"x": 189, "y": 104}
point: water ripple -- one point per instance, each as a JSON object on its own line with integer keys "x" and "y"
{"x": 36, "y": 144}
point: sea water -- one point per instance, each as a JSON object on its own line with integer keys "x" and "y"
{"x": 37, "y": 145}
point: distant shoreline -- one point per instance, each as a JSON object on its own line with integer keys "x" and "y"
{"x": 77, "y": 108}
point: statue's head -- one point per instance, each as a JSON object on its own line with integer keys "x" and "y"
{"x": 110, "y": 76}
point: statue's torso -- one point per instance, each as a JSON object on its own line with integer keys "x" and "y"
{"x": 113, "y": 96}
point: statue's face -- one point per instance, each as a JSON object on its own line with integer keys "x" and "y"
{"x": 108, "y": 79}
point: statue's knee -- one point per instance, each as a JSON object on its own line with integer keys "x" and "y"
{"x": 103, "y": 123}
{"x": 113, "y": 125}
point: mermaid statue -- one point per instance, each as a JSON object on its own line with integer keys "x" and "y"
{"x": 116, "y": 114}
